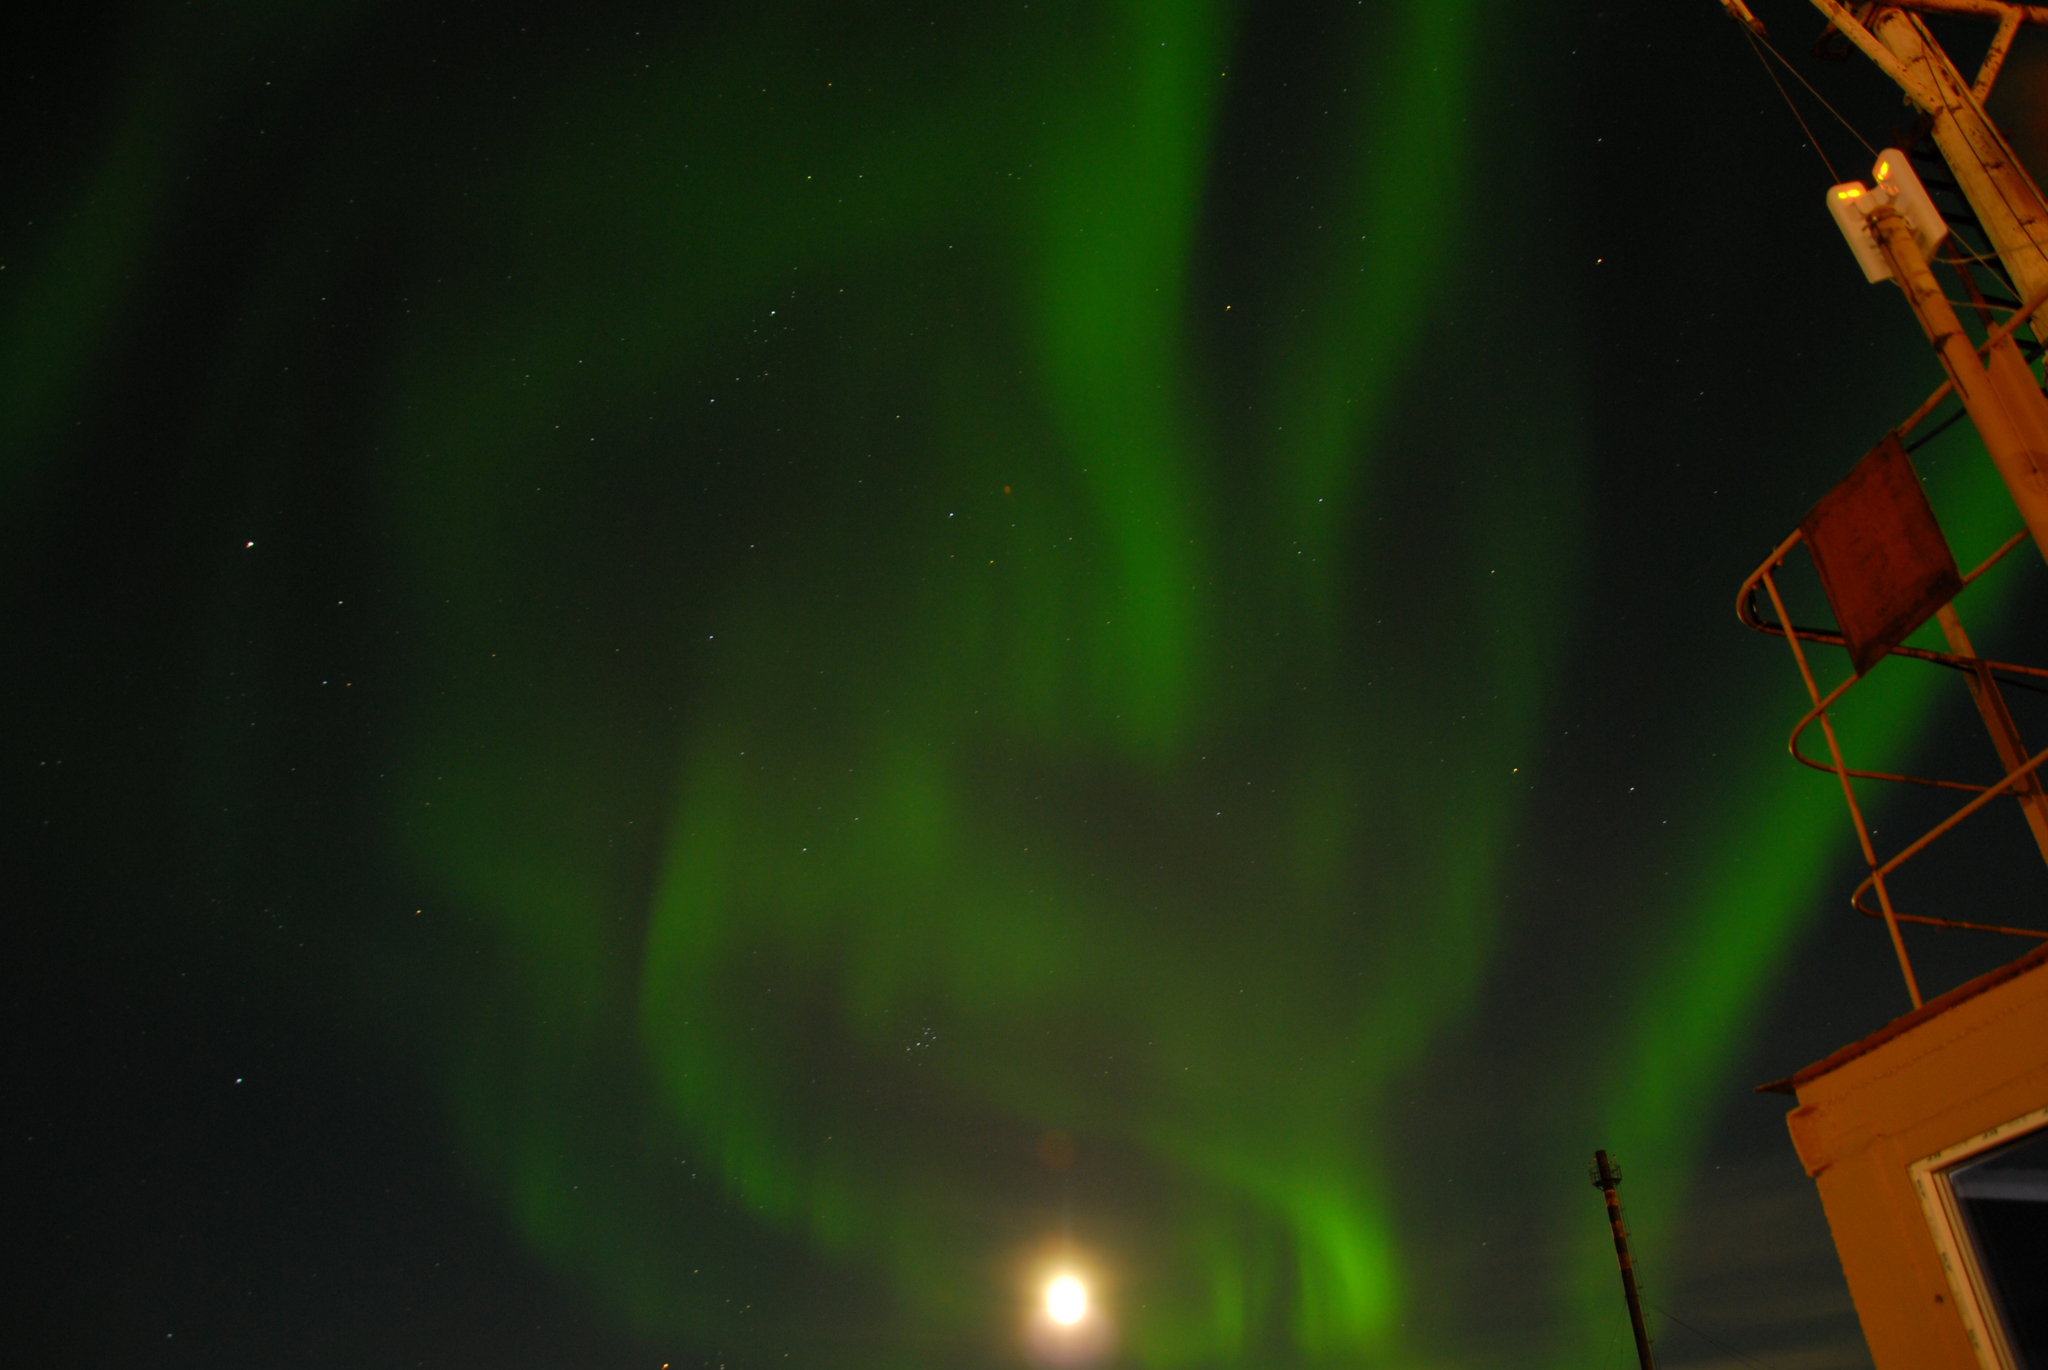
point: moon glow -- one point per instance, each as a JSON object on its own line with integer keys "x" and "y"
{"x": 1066, "y": 1300}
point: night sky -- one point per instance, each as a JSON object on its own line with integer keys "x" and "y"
{"x": 703, "y": 684}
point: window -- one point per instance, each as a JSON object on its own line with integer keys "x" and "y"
{"x": 1987, "y": 1200}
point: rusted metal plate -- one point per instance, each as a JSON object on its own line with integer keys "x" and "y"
{"x": 1883, "y": 562}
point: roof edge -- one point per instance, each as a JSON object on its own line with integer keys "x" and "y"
{"x": 1933, "y": 1008}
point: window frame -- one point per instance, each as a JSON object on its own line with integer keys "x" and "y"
{"x": 1973, "y": 1298}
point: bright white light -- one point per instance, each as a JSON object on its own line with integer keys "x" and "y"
{"x": 1066, "y": 1300}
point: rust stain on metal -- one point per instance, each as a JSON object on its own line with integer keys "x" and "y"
{"x": 1882, "y": 560}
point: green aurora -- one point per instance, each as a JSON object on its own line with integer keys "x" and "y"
{"x": 915, "y": 578}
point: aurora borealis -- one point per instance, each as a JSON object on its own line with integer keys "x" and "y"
{"x": 688, "y": 628}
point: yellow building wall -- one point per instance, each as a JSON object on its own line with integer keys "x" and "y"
{"x": 1960, "y": 1066}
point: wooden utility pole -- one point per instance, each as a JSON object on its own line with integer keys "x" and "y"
{"x": 2001, "y": 194}
{"x": 1607, "y": 1178}
{"x": 2000, "y": 393}
{"x": 2011, "y": 415}
{"x": 2002, "y": 396}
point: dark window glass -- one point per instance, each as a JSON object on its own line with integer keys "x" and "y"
{"x": 2003, "y": 1196}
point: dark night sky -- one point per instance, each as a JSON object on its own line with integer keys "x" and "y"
{"x": 702, "y": 685}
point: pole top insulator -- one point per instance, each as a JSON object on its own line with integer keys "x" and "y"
{"x": 1739, "y": 12}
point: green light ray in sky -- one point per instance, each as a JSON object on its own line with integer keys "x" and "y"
{"x": 916, "y": 919}
{"x": 1756, "y": 879}
{"x": 821, "y": 798}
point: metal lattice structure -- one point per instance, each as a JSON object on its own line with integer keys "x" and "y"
{"x": 1886, "y": 570}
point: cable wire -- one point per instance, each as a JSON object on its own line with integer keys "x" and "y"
{"x": 1931, "y": 434}
{"x": 1746, "y": 1360}
{"x": 1811, "y": 141}
{"x": 1763, "y": 45}
{"x": 1854, "y": 132}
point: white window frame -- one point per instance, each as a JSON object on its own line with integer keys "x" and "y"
{"x": 1973, "y": 1299}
